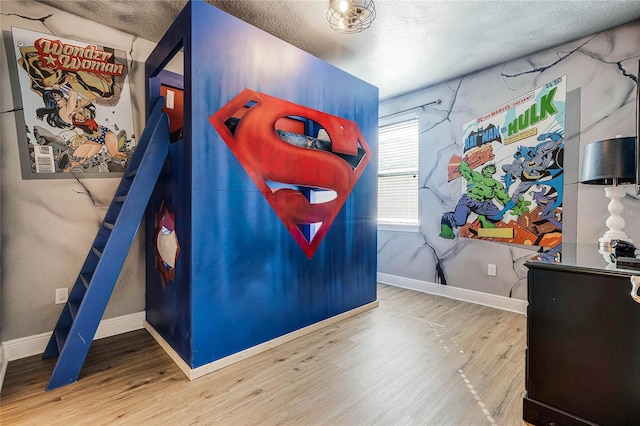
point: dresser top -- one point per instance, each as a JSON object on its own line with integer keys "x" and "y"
{"x": 582, "y": 257}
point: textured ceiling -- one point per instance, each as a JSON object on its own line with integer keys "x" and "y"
{"x": 412, "y": 44}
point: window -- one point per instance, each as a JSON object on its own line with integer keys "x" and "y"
{"x": 398, "y": 173}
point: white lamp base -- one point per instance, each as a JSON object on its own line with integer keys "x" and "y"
{"x": 615, "y": 222}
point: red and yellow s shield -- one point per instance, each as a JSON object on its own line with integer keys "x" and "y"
{"x": 287, "y": 166}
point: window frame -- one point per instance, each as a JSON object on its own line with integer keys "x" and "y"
{"x": 400, "y": 225}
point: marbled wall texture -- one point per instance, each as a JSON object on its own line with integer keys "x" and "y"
{"x": 601, "y": 75}
{"x": 48, "y": 225}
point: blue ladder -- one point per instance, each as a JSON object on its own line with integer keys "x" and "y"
{"x": 81, "y": 315}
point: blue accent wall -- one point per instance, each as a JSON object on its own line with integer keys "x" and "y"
{"x": 241, "y": 278}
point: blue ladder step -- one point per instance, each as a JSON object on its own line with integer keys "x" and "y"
{"x": 85, "y": 279}
{"x": 74, "y": 305}
{"x": 61, "y": 335}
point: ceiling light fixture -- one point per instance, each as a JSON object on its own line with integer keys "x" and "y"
{"x": 351, "y": 16}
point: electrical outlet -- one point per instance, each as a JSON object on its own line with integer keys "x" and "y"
{"x": 169, "y": 103}
{"x": 62, "y": 294}
{"x": 491, "y": 270}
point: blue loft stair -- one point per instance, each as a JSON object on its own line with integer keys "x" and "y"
{"x": 80, "y": 317}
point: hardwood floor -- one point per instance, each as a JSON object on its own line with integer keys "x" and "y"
{"x": 416, "y": 359}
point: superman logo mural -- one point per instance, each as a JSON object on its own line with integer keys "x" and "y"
{"x": 305, "y": 162}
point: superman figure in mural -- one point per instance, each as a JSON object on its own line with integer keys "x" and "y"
{"x": 482, "y": 189}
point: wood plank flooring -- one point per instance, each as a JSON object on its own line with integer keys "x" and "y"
{"x": 416, "y": 359}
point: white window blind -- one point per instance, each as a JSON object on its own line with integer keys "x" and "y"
{"x": 398, "y": 173}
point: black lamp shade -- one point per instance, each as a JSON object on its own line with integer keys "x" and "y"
{"x": 609, "y": 162}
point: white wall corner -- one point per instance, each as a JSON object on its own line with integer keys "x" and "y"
{"x": 486, "y": 299}
{"x": 34, "y": 345}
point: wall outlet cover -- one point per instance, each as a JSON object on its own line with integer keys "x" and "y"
{"x": 62, "y": 294}
{"x": 491, "y": 270}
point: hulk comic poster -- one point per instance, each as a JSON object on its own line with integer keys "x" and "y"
{"x": 77, "y": 106}
{"x": 511, "y": 172}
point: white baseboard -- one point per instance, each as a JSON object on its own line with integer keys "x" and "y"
{"x": 486, "y": 299}
{"x": 34, "y": 345}
{"x": 194, "y": 373}
{"x": 184, "y": 367}
{"x": 3, "y": 365}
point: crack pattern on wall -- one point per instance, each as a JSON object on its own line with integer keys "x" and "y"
{"x": 603, "y": 65}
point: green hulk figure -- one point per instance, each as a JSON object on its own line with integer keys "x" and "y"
{"x": 482, "y": 189}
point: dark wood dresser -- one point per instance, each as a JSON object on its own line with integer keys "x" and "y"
{"x": 583, "y": 343}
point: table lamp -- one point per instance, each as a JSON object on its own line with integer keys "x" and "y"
{"x": 611, "y": 162}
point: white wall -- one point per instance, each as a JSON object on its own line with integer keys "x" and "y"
{"x": 600, "y": 71}
{"x": 48, "y": 225}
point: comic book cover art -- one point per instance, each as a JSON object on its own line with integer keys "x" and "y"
{"x": 511, "y": 172}
{"x": 77, "y": 106}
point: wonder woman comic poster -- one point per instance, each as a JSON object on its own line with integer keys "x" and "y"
{"x": 77, "y": 106}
